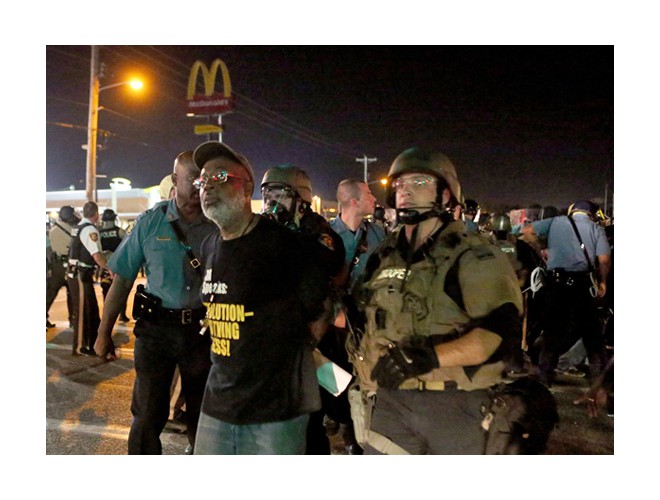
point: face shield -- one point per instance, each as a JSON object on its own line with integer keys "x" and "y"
{"x": 278, "y": 202}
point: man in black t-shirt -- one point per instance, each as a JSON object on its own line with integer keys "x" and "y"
{"x": 265, "y": 300}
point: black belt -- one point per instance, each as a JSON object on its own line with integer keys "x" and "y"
{"x": 180, "y": 316}
{"x": 569, "y": 278}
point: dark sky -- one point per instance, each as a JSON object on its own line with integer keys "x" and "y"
{"x": 522, "y": 124}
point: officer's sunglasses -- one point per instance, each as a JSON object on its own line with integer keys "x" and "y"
{"x": 218, "y": 178}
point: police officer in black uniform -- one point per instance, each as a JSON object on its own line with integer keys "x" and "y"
{"x": 287, "y": 197}
{"x": 85, "y": 253}
{"x": 111, "y": 236}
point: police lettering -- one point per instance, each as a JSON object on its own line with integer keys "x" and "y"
{"x": 392, "y": 274}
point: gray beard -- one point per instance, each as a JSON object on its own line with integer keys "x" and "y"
{"x": 224, "y": 214}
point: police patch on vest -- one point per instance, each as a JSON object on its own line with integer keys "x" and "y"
{"x": 416, "y": 305}
{"x": 94, "y": 237}
{"x": 389, "y": 273}
{"x": 326, "y": 240}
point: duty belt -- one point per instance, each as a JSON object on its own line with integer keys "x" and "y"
{"x": 569, "y": 278}
{"x": 180, "y": 316}
{"x": 433, "y": 385}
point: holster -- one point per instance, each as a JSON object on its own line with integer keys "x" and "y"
{"x": 145, "y": 305}
{"x": 72, "y": 271}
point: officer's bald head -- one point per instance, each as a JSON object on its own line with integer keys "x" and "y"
{"x": 184, "y": 165}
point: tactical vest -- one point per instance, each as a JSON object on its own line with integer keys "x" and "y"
{"x": 110, "y": 238}
{"x": 510, "y": 250}
{"x": 400, "y": 303}
{"x": 78, "y": 253}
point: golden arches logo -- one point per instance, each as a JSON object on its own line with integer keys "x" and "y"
{"x": 210, "y": 102}
{"x": 209, "y": 76}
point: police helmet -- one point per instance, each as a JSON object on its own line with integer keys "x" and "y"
{"x": 68, "y": 214}
{"x": 291, "y": 176}
{"x": 471, "y": 207}
{"x": 418, "y": 160}
{"x": 584, "y": 207}
{"x": 108, "y": 215}
{"x": 499, "y": 222}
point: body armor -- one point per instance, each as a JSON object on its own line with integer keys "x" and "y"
{"x": 399, "y": 302}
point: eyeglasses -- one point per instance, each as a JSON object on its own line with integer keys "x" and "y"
{"x": 414, "y": 182}
{"x": 219, "y": 178}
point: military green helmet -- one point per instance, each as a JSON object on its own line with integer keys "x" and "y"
{"x": 499, "y": 222}
{"x": 292, "y": 176}
{"x": 418, "y": 160}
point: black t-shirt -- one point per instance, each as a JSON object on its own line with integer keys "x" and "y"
{"x": 261, "y": 291}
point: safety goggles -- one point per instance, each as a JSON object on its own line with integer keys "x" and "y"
{"x": 217, "y": 178}
{"x": 414, "y": 182}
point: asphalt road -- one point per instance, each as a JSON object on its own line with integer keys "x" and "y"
{"x": 88, "y": 401}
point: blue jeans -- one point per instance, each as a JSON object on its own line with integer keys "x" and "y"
{"x": 215, "y": 437}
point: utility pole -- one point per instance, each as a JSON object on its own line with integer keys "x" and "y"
{"x": 92, "y": 125}
{"x": 366, "y": 162}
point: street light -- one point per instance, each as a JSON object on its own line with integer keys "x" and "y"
{"x": 92, "y": 125}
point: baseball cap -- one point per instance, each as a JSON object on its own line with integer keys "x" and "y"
{"x": 214, "y": 149}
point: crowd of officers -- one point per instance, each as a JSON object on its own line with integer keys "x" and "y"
{"x": 440, "y": 314}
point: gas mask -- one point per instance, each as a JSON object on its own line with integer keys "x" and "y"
{"x": 279, "y": 202}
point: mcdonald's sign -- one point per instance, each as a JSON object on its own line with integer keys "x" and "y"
{"x": 210, "y": 102}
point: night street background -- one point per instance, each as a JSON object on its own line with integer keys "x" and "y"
{"x": 336, "y": 130}
{"x": 522, "y": 124}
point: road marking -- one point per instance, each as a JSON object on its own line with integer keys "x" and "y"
{"x": 107, "y": 431}
{"x": 174, "y": 439}
{"x": 121, "y": 352}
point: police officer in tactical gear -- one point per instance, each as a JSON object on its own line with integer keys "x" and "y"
{"x": 439, "y": 303}
{"x": 287, "y": 198}
{"x": 60, "y": 241}
{"x": 111, "y": 236}
{"x": 471, "y": 215}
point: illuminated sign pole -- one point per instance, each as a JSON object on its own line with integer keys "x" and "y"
{"x": 210, "y": 102}
{"x": 92, "y": 126}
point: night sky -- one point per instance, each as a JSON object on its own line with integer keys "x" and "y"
{"x": 522, "y": 124}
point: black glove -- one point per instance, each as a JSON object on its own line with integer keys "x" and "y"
{"x": 411, "y": 357}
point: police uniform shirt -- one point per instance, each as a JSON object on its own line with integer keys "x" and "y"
{"x": 89, "y": 237}
{"x": 59, "y": 239}
{"x": 563, "y": 246}
{"x": 471, "y": 225}
{"x": 375, "y": 234}
{"x": 153, "y": 244}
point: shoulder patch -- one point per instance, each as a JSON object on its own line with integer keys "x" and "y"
{"x": 326, "y": 240}
{"x": 94, "y": 237}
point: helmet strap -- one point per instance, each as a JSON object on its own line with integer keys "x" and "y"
{"x": 410, "y": 216}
